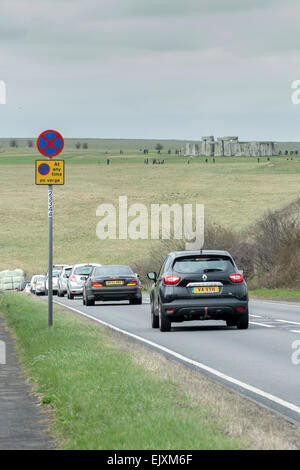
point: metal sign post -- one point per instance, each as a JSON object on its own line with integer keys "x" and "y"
{"x": 50, "y": 255}
{"x": 50, "y": 143}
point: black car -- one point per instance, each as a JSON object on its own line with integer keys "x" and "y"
{"x": 112, "y": 283}
{"x": 199, "y": 285}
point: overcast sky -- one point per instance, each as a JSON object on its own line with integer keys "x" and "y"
{"x": 150, "y": 68}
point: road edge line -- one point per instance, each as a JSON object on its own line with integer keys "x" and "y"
{"x": 199, "y": 365}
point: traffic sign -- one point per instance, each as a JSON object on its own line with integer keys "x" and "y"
{"x": 50, "y": 143}
{"x": 50, "y": 172}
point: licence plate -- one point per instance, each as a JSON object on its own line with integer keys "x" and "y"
{"x": 114, "y": 283}
{"x": 206, "y": 290}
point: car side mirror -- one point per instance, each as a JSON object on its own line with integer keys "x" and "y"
{"x": 152, "y": 276}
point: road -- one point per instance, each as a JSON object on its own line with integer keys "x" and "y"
{"x": 256, "y": 362}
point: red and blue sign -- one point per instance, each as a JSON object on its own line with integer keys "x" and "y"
{"x": 44, "y": 169}
{"x": 50, "y": 143}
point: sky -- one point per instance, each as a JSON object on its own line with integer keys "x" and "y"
{"x": 161, "y": 69}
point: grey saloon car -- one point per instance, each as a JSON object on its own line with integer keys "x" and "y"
{"x": 110, "y": 283}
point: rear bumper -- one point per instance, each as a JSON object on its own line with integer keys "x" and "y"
{"x": 113, "y": 293}
{"x": 75, "y": 289}
{"x": 205, "y": 308}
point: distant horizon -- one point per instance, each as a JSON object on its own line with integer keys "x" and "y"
{"x": 152, "y": 139}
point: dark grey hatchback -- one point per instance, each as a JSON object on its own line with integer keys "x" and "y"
{"x": 199, "y": 285}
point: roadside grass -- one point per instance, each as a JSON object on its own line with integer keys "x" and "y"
{"x": 100, "y": 397}
{"x": 235, "y": 191}
{"x": 275, "y": 294}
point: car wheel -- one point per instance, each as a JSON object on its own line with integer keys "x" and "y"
{"x": 136, "y": 301}
{"x": 231, "y": 322}
{"x": 164, "y": 322}
{"x": 70, "y": 296}
{"x": 154, "y": 318}
{"x": 89, "y": 302}
{"x": 242, "y": 322}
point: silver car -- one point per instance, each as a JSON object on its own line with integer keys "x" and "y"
{"x": 40, "y": 287}
{"x": 77, "y": 278}
{"x": 62, "y": 281}
{"x": 55, "y": 276}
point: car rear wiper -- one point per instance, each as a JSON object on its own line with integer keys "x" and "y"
{"x": 212, "y": 269}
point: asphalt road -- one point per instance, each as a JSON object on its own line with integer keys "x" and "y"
{"x": 256, "y": 362}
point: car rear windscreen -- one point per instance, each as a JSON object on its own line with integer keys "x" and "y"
{"x": 83, "y": 270}
{"x": 202, "y": 264}
{"x": 113, "y": 271}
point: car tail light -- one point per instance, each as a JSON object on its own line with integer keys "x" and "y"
{"x": 132, "y": 282}
{"x": 241, "y": 309}
{"x": 237, "y": 277}
{"x": 171, "y": 280}
{"x": 95, "y": 283}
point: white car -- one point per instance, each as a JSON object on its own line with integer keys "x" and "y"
{"x": 62, "y": 281}
{"x": 78, "y": 276}
{"x": 40, "y": 285}
{"x": 33, "y": 281}
{"x": 27, "y": 288}
{"x": 55, "y": 276}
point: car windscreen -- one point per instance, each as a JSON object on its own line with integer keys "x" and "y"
{"x": 202, "y": 264}
{"x": 41, "y": 278}
{"x": 113, "y": 271}
{"x": 82, "y": 270}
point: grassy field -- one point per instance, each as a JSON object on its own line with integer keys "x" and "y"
{"x": 235, "y": 192}
{"x": 101, "y": 398}
{"x": 104, "y": 391}
{"x": 290, "y": 295}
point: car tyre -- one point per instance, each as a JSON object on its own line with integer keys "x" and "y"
{"x": 164, "y": 322}
{"x": 242, "y": 322}
{"x": 154, "y": 318}
{"x": 89, "y": 302}
{"x": 70, "y": 296}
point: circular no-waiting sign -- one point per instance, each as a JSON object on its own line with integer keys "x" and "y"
{"x": 43, "y": 169}
{"x": 50, "y": 143}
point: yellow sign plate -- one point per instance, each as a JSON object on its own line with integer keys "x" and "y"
{"x": 114, "y": 283}
{"x": 49, "y": 172}
{"x": 206, "y": 290}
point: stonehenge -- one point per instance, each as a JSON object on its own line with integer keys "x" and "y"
{"x": 229, "y": 146}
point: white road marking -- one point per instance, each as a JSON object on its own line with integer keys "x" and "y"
{"x": 255, "y": 316}
{"x": 272, "y": 302}
{"x": 262, "y": 324}
{"x": 212, "y": 371}
{"x": 295, "y": 331}
{"x": 288, "y": 321}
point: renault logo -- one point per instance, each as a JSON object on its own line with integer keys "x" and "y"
{"x": 204, "y": 277}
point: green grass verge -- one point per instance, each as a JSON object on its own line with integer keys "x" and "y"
{"x": 276, "y": 294}
{"x": 101, "y": 398}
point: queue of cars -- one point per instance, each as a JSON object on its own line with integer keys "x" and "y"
{"x": 191, "y": 285}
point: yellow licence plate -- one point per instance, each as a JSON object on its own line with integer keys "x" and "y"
{"x": 113, "y": 283}
{"x": 206, "y": 290}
